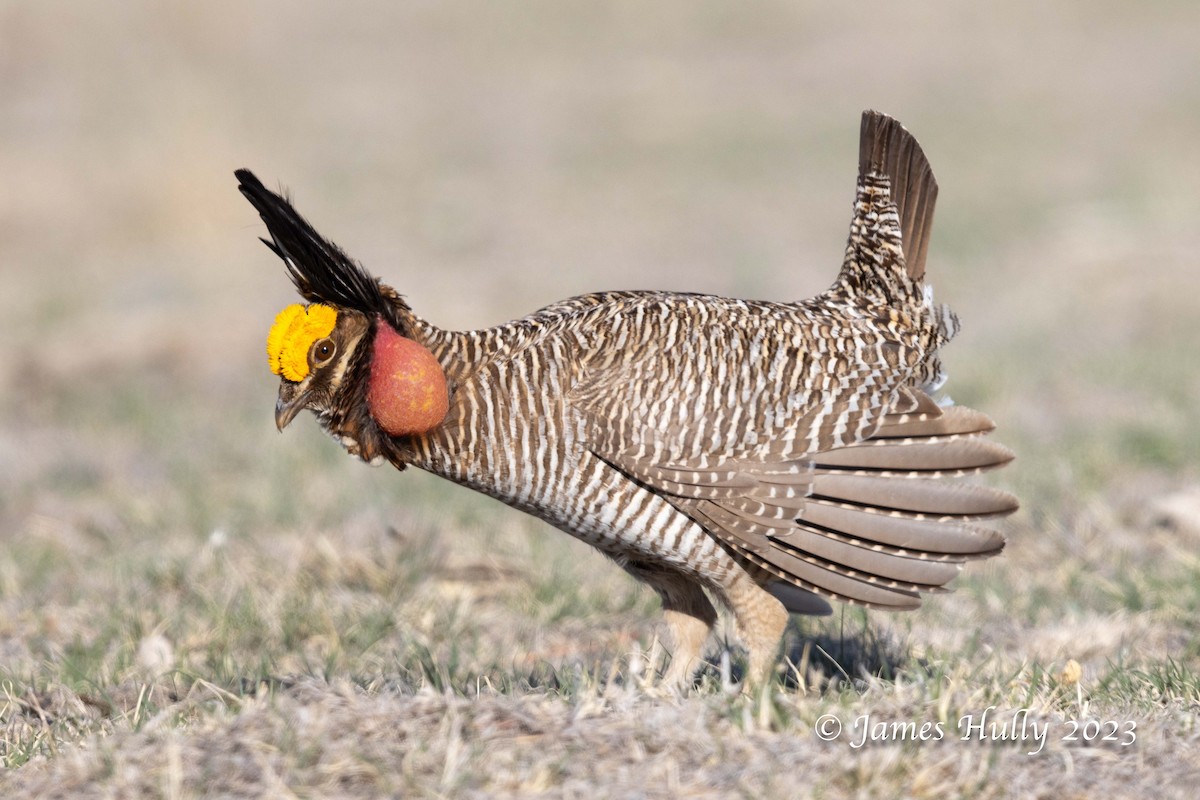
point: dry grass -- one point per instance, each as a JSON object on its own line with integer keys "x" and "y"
{"x": 192, "y": 605}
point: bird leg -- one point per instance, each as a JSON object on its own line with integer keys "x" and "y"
{"x": 690, "y": 617}
{"x": 760, "y": 619}
{"x": 689, "y": 632}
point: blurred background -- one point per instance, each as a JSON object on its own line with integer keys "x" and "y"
{"x": 489, "y": 158}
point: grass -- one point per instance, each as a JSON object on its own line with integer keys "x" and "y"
{"x": 193, "y": 605}
{"x": 419, "y": 668}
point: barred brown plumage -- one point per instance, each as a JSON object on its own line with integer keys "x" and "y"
{"x": 771, "y": 454}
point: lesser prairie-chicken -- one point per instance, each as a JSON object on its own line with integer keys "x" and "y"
{"x": 769, "y": 455}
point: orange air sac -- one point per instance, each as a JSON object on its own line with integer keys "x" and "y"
{"x": 407, "y": 393}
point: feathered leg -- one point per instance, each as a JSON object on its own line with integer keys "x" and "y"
{"x": 760, "y": 619}
{"x": 689, "y": 615}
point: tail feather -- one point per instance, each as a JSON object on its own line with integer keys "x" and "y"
{"x": 887, "y": 150}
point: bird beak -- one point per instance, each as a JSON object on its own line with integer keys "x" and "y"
{"x": 290, "y": 403}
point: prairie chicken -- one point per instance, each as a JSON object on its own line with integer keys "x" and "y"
{"x": 773, "y": 454}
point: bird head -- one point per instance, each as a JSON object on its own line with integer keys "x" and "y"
{"x": 310, "y": 348}
{"x": 348, "y": 355}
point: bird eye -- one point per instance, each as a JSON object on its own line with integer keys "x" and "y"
{"x": 323, "y": 351}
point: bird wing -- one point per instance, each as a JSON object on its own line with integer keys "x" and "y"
{"x": 818, "y": 465}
